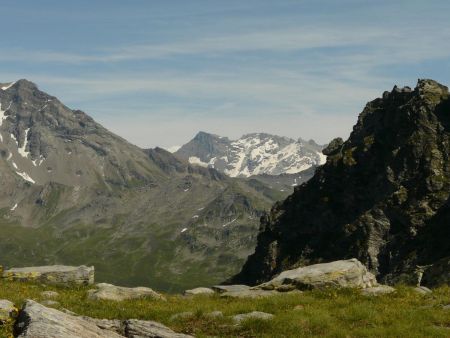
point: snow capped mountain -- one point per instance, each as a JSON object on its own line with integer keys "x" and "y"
{"x": 252, "y": 154}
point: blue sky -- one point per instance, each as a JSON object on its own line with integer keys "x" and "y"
{"x": 158, "y": 71}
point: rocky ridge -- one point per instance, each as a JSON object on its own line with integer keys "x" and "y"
{"x": 382, "y": 197}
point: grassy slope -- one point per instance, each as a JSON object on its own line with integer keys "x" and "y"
{"x": 330, "y": 313}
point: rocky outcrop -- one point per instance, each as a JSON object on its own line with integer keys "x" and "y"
{"x": 143, "y": 329}
{"x": 7, "y": 310}
{"x": 36, "y": 320}
{"x": 382, "y": 197}
{"x": 252, "y": 315}
{"x": 53, "y": 274}
{"x": 377, "y": 290}
{"x": 339, "y": 274}
{"x": 199, "y": 291}
{"x": 106, "y": 291}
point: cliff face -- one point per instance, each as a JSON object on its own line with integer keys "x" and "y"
{"x": 382, "y": 196}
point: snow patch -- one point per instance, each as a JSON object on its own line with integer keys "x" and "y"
{"x": 183, "y": 230}
{"x": 197, "y": 161}
{"x": 173, "y": 149}
{"x": 195, "y": 216}
{"x": 25, "y": 176}
{"x": 22, "y": 150}
{"x": 224, "y": 225}
{"x": 14, "y": 207}
{"x": 9, "y": 86}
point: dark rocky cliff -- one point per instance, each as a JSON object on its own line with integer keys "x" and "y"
{"x": 382, "y": 196}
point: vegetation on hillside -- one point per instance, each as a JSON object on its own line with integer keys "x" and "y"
{"x": 326, "y": 313}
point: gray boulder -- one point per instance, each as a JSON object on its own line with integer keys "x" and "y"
{"x": 341, "y": 274}
{"x": 252, "y": 315}
{"x": 250, "y": 293}
{"x": 230, "y": 288}
{"x": 7, "y": 310}
{"x": 49, "y": 294}
{"x": 199, "y": 291}
{"x": 36, "y": 320}
{"x": 149, "y": 329}
{"x": 423, "y": 290}
{"x": 106, "y": 291}
{"x": 377, "y": 290}
{"x": 53, "y": 274}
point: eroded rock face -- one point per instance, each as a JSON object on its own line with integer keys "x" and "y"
{"x": 339, "y": 274}
{"x": 38, "y": 321}
{"x": 53, "y": 274}
{"x": 106, "y": 291}
{"x": 382, "y": 197}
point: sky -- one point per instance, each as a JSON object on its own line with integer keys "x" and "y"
{"x": 158, "y": 71}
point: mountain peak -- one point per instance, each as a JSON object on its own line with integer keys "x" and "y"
{"x": 381, "y": 196}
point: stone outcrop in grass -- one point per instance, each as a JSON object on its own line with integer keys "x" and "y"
{"x": 106, "y": 291}
{"x": 7, "y": 310}
{"x": 341, "y": 274}
{"x": 53, "y": 274}
{"x": 36, "y": 320}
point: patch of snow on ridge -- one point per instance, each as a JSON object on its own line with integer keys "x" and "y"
{"x": 228, "y": 223}
{"x": 197, "y": 161}
{"x": 25, "y": 176}
{"x": 14, "y": 207}
{"x": 173, "y": 149}
{"x": 183, "y": 230}
{"x": 22, "y": 150}
{"x": 2, "y": 114}
{"x": 9, "y": 86}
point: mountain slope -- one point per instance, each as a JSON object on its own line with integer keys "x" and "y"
{"x": 381, "y": 197}
{"x": 75, "y": 193}
{"x": 252, "y": 154}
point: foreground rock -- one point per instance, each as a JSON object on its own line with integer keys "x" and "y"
{"x": 7, "y": 310}
{"x": 53, "y": 274}
{"x": 143, "y": 329}
{"x": 199, "y": 291}
{"x": 341, "y": 274}
{"x": 377, "y": 290}
{"x": 252, "y": 315}
{"x": 106, "y": 291}
{"x": 250, "y": 293}
{"x": 37, "y": 321}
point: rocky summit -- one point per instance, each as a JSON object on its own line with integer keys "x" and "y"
{"x": 75, "y": 193}
{"x": 382, "y": 197}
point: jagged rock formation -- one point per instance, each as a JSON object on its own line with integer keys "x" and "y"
{"x": 75, "y": 193}
{"x": 382, "y": 197}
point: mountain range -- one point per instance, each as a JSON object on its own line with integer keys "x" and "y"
{"x": 75, "y": 193}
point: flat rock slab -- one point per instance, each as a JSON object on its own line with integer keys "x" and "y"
{"x": 148, "y": 329}
{"x": 339, "y": 274}
{"x": 49, "y": 294}
{"x": 230, "y": 288}
{"x": 53, "y": 274}
{"x": 377, "y": 290}
{"x": 38, "y": 321}
{"x": 252, "y": 315}
{"x": 106, "y": 291}
{"x": 199, "y": 291}
{"x": 423, "y": 290}
{"x": 7, "y": 310}
{"x": 250, "y": 293}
